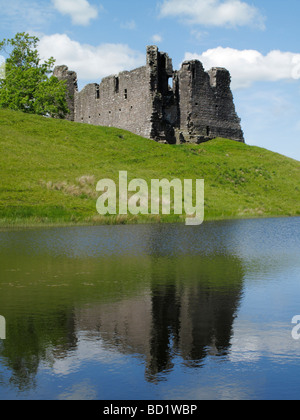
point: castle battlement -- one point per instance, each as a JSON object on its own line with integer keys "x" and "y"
{"x": 156, "y": 102}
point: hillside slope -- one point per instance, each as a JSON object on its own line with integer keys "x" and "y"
{"x": 49, "y": 170}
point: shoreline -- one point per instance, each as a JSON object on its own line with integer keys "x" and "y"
{"x": 131, "y": 221}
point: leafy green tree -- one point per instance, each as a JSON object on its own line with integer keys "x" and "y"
{"x": 28, "y": 84}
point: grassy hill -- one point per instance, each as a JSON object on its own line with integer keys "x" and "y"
{"x": 49, "y": 170}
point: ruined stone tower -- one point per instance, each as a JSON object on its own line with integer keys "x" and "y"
{"x": 156, "y": 102}
{"x": 70, "y": 77}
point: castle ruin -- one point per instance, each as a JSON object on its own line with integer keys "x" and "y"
{"x": 156, "y": 102}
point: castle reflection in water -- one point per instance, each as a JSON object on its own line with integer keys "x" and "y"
{"x": 158, "y": 293}
{"x": 186, "y": 317}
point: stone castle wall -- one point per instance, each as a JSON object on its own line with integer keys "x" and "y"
{"x": 119, "y": 101}
{"x": 70, "y": 78}
{"x": 206, "y": 104}
{"x": 156, "y": 102}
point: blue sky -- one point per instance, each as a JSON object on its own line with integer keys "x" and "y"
{"x": 257, "y": 40}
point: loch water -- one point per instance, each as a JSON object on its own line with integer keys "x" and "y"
{"x": 157, "y": 312}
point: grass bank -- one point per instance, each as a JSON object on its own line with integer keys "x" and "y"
{"x": 49, "y": 170}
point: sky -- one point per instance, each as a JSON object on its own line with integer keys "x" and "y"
{"x": 256, "y": 40}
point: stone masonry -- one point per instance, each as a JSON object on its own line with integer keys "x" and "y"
{"x": 156, "y": 102}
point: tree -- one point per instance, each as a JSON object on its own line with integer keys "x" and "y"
{"x": 28, "y": 84}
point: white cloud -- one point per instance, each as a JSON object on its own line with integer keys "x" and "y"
{"x": 249, "y": 66}
{"x": 81, "y": 11}
{"x": 90, "y": 62}
{"x": 157, "y": 38}
{"x": 229, "y": 13}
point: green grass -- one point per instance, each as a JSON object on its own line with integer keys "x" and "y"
{"x": 49, "y": 170}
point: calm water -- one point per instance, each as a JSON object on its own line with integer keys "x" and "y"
{"x": 151, "y": 312}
